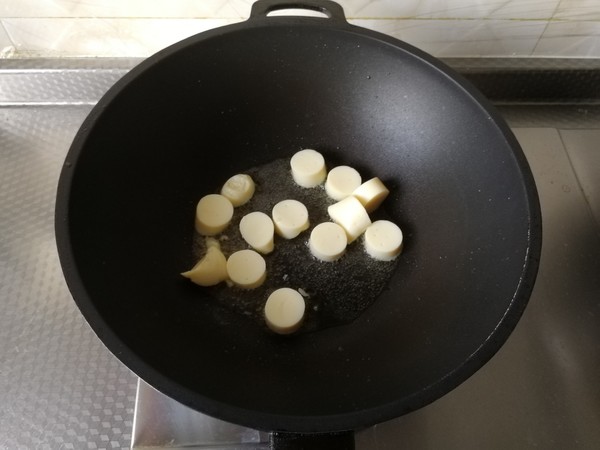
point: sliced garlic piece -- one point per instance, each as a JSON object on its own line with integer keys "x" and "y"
{"x": 246, "y": 269}
{"x": 383, "y": 240}
{"x": 290, "y": 218}
{"x": 284, "y": 310}
{"x": 213, "y": 214}
{"x": 328, "y": 241}
{"x": 257, "y": 230}
{"x": 351, "y": 215}
{"x": 239, "y": 189}
{"x": 308, "y": 168}
{"x": 341, "y": 182}
{"x": 212, "y": 268}
{"x": 371, "y": 194}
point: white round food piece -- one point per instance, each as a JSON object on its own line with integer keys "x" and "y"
{"x": 246, "y": 269}
{"x": 328, "y": 241}
{"x": 351, "y": 215}
{"x": 212, "y": 268}
{"x": 371, "y": 194}
{"x": 341, "y": 182}
{"x": 284, "y": 310}
{"x": 383, "y": 240}
{"x": 257, "y": 230}
{"x": 290, "y": 218}
{"x": 239, "y": 189}
{"x": 213, "y": 214}
{"x": 308, "y": 168}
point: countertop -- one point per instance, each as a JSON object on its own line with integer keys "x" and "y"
{"x": 61, "y": 388}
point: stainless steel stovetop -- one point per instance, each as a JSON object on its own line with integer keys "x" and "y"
{"x": 60, "y": 388}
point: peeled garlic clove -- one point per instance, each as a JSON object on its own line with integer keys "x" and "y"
{"x": 351, "y": 215}
{"x": 341, "y": 182}
{"x": 383, "y": 240}
{"x": 246, "y": 269}
{"x": 239, "y": 189}
{"x": 257, "y": 230}
{"x": 308, "y": 168}
{"x": 290, "y": 218}
{"x": 328, "y": 241}
{"x": 371, "y": 194}
{"x": 211, "y": 269}
{"x": 213, "y": 214}
{"x": 284, "y": 310}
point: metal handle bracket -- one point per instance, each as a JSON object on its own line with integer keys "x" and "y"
{"x": 331, "y": 9}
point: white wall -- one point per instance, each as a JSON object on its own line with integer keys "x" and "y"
{"x": 71, "y": 28}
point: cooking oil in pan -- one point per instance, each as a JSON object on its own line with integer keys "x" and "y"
{"x": 335, "y": 292}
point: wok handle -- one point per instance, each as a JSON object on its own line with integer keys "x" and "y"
{"x": 343, "y": 440}
{"x": 334, "y": 11}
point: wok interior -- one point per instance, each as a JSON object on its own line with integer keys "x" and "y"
{"x": 216, "y": 106}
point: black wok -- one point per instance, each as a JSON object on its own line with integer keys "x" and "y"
{"x": 183, "y": 121}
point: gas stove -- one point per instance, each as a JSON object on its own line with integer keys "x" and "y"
{"x": 62, "y": 389}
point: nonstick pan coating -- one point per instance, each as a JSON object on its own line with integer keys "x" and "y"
{"x": 177, "y": 126}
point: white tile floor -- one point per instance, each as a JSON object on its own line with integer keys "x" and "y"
{"x": 138, "y": 28}
{"x": 578, "y": 10}
{"x": 461, "y": 37}
{"x": 565, "y": 39}
{"x": 101, "y": 36}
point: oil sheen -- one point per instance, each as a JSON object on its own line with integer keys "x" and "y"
{"x": 335, "y": 292}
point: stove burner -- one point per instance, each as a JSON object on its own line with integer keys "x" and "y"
{"x": 161, "y": 422}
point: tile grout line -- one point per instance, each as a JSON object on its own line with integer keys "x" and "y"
{"x": 7, "y": 52}
{"x": 550, "y": 20}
